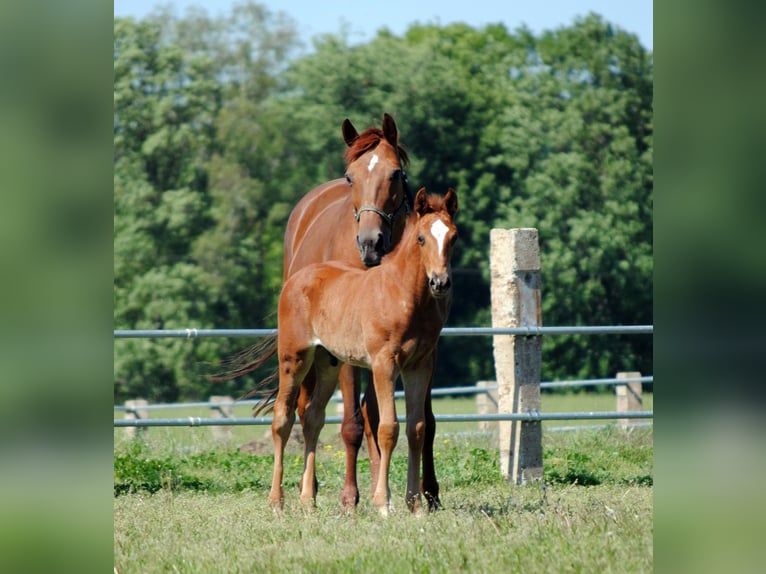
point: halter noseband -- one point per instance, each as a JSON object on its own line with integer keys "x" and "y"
{"x": 389, "y": 217}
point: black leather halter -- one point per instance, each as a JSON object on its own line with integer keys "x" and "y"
{"x": 406, "y": 204}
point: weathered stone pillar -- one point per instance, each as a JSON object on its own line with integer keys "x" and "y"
{"x": 516, "y": 302}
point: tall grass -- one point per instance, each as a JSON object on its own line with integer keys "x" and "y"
{"x": 181, "y": 507}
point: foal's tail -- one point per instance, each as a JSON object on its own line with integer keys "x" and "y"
{"x": 247, "y": 361}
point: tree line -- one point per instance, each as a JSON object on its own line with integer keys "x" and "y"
{"x": 222, "y": 123}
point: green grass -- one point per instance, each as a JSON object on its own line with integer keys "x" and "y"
{"x": 184, "y": 503}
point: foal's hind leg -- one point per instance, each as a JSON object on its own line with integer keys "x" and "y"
{"x": 313, "y": 421}
{"x": 292, "y": 368}
{"x": 371, "y": 422}
{"x": 352, "y": 431}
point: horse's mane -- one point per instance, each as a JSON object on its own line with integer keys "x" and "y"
{"x": 367, "y": 140}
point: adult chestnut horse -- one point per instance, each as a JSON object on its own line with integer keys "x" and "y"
{"x": 358, "y": 220}
{"x": 388, "y": 319}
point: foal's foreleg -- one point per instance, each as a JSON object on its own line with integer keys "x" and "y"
{"x": 384, "y": 377}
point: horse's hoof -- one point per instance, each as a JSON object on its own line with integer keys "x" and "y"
{"x": 434, "y": 503}
{"x": 349, "y": 499}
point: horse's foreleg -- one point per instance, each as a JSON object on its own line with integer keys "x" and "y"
{"x": 415, "y": 392}
{"x": 384, "y": 378}
{"x": 429, "y": 486}
{"x": 351, "y": 430}
{"x": 371, "y": 422}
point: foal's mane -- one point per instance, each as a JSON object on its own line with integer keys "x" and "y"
{"x": 368, "y": 140}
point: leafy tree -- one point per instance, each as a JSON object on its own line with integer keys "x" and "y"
{"x": 220, "y": 129}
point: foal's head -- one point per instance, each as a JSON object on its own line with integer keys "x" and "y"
{"x": 436, "y": 235}
{"x": 375, "y": 172}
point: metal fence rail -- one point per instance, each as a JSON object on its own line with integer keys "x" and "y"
{"x": 438, "y": 392}
{"x": 238, "y": 421}
{"x": 447, "y": 331}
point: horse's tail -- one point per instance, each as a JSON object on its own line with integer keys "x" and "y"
{"x": 247, "y": 361}
{"x": 266, "y": 404}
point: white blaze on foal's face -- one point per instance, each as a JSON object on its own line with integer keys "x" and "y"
{"x": 439, "y": 231}
{"x": 373, "y": 161}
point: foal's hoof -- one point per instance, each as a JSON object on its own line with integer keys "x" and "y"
{"x": 277, "y": 504}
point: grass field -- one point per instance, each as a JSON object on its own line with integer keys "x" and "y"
{"x": 185, "y": 503}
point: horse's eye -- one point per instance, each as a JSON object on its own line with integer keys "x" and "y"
{"x": 349, "y": 180}
{"x": 421, "y": 239}
{"x": 397, "y": 174}
{"x": 453, "y": 239}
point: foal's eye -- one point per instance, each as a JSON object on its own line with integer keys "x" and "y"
{"x": 453, "y": 239}
{"x": 349, "y": 180}
{"x": 421, "y": 239}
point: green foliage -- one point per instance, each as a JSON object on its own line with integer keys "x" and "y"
{"x": 220, "y": 128}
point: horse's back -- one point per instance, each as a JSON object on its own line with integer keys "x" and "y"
{"x": 321, "y": 228}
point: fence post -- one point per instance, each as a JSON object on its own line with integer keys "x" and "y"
{"x": 134, "y": 412}
{"x": 221, "y": 408}
{"x": 515, "y": 294}
{"x": 629, "y": 397}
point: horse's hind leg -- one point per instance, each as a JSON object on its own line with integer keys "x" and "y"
{"x": 352, "y": 431}
{"x": 429, "y": 486}
{"x": 313, "y": 421}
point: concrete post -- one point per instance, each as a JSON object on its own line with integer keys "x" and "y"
{"x": 134, "y": 411}
{"x": 516, "y": 302}
{"x": 486, "y": 403}
{"x": 222, "y": 408}
{"x": 629, "y": 397}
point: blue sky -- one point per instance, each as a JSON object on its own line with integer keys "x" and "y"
{"x": 364, "y": 18}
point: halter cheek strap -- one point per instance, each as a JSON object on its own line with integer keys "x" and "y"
{"x": 389, "y": 217}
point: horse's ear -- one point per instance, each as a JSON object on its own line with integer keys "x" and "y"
{"x": 390, "y": 131}
{"x": 349, "y": 132}
{"x": 450, "y": 201}
{"x": 421, "y": 202}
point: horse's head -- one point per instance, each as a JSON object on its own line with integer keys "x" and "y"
{"x": 436, "y": 234}
{"x": 375, "y": 172}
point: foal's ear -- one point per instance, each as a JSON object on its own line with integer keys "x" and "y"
{"x": 450, "y": 201}
{"x": 349, "y": 132}
{"x": 421, "y": 202}
{"x": 390, "y": 131}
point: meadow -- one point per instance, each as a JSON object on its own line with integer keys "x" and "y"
{"x": 186, "y": 502}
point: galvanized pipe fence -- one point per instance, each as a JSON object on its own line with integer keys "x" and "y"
{"x": 441, "y": 391}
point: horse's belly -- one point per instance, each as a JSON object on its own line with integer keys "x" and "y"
{"x": 347, "y": 350}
